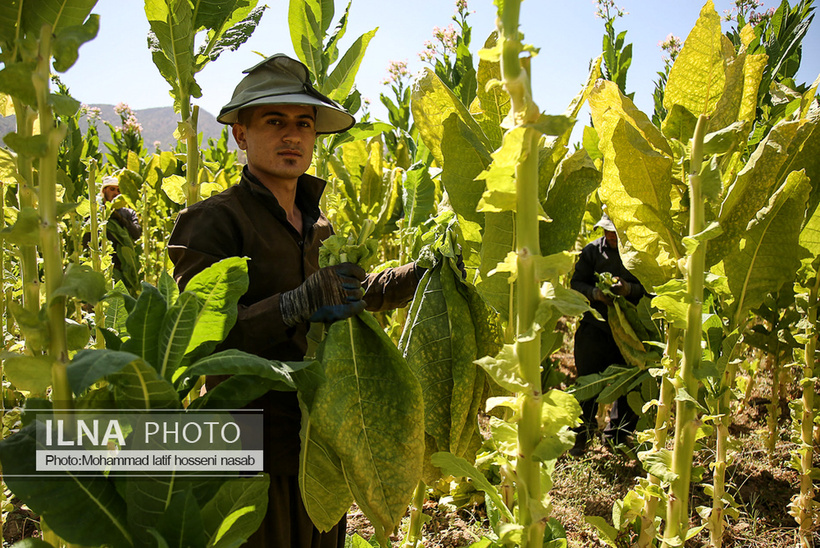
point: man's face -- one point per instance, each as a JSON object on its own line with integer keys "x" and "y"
{"x": 611, "y": 238}
{"x": 110, "y": 192}
{"x": 278, "y": 140}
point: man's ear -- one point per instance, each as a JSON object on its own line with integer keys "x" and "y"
{"x": 238, "y": 131}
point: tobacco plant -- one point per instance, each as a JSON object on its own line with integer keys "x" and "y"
{"x": 153, "y": 355}
{"x": 749, "y": 210}
{"x": 175, "y": 25}
{"x": 362, "y": 439}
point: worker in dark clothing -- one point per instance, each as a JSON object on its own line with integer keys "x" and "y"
{"x": 273, "y": 217}
{"x": 595, "y": 348}
{"x": 122, "y": 230}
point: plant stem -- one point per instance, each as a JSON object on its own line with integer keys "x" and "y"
{"x": 805, "y": 500}
{"x": 531, "y": 510}
{"x": 29, "y": 274}
{"x": 192, "y": 166}
{"x": 773, "y": 416}
{"x": 49, "y": 238}
{"x": 661, "y": 430}
{"x": 416, "y": 513}
{"x": 95, "y": 249}
{"x": 686, "y": 423}
{"x": 716, "y": 523}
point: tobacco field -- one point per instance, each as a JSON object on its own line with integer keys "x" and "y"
{"x": 471, "y": 390}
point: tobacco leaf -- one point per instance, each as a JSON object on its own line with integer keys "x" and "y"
{"x": 367, "y": 409}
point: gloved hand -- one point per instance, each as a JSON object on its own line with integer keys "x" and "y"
{"x": 330, "y": 294}
{"x": 621, "y": 287}
{"x": 598, "y": 295}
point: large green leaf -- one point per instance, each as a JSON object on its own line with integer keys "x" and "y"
{"x": 235, "y": 392}
{"x": 764, "y": 172}
{"x": 144, "y": 325}
{"x": 459, "y": 467}
{"x": 85, "y": 510}
{"x": 177, "y": 329}
{"x": 322, "y": 480}
{"x": 697, "y": 79}
{"x": 65, "y": 50}
{"x": 492, "y": 102}
{"x": 605, "y": 97}
{"x": 339, "y": 82}
{"x": 57, "y": 13}
{"x": 148, "y": 498}
{"x": 367, "y": 410}
{"x": 236, "y": 511}
{"x": 566, "y": 202}
{"x": 172, "y": 44}
{"x": 220, "y": 14}
{"x": 497, "y": 243}
{"x": 236, "y": 31}
{"x": 439, "y": 344}
{"x": 769, "y": 254}
{"x": 636, "y": 188}
{"x": 181, "y": 524}
{"x": 418, "y": 195}
{"x": 136, "y": 384}
{"x": 82, "y": 283}
{"x": 806, "y": 156}
{"x": 218, "y": 289}
{"x": 139, "y": 386}
{"x": 10, "y": 17}
{"x": 307, "y": 30}
{"x": 28, "y": 373}
{"x": 464, "y": 158}
{"x": 432, "y": 103}
{"x": 236, "y": 362}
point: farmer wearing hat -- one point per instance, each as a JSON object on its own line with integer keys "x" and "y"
{"x": 595, "y": 348}
{"x": 122, "y": 230}
{"x": 272, "y": 216}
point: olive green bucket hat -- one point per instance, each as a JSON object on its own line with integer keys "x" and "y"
{"x": 280, "y": 80}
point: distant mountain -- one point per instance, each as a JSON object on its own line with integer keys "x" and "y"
{"x": 158, "y": 124}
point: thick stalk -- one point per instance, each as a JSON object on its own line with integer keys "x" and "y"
{"x": 96, "y": 263}
{"x": 716, "y": 522}
{"x": 805, "y": 512}
{"x": 773, "y": 416}
{"x": 661, "y": 430}
{"x": 3, "y": 312}
{"x": 149, "y": 260}
{"x": 531, "y": 513}
{"x": 49, "y": 237}
{"x": 416, "y": 513}
{"x": 192, "y": 166}
{"x": 677, "y": 516}
{"x": 30, "y": 277}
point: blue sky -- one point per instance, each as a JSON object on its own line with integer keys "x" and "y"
{"x": 117, "y": 66}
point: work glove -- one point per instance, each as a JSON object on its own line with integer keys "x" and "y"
{"x": 330, "y": 294}
{"x": 621, "y": 287}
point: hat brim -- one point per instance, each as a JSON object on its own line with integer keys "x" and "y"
{"x": 329, "y": 119}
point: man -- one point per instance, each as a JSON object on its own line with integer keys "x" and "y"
{"x": 122, "y": 230}
{"x": 595, "y": 348}
{"x": 272, "y": 216}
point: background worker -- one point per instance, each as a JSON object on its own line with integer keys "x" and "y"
{"x": 122, "y": 229}
{"x": 272, "y": 217}
{"x": 595, "y": 347}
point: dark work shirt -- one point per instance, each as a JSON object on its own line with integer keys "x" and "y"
{"x": 598, "y": 257}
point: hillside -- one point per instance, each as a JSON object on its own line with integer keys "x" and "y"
{"x": 158, "y": 124}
